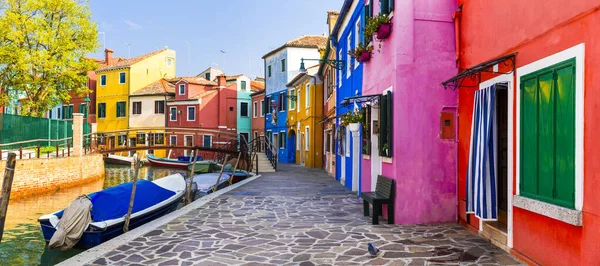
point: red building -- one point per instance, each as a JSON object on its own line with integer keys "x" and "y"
{"x": 258, "y": 111}
{"x": 201, "y": 104}
{"x": 531, "y": 66}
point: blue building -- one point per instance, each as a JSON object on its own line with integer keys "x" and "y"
{"x": 346, "y": 34}
{"x": 281, "y": 66}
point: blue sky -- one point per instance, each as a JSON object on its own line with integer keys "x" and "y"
{"x": 244, "y": 29}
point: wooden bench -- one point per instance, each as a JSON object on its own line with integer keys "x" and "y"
{"x": 384, "y": 194}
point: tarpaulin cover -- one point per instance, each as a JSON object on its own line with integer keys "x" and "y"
{"x": 113, "y": 202}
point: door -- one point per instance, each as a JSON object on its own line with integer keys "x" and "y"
{"x": 375, "y": 158}
{"x": 244, "y": 140}
{"x": 292, "y": 147}
{"x": 189, "y": 142}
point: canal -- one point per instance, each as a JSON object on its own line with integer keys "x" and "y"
{"x": 23, "y": 243}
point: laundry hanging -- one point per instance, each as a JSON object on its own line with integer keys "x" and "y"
{"x": 481, "y": 173}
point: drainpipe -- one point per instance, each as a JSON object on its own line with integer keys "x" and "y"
{"x": 456, "y": 16}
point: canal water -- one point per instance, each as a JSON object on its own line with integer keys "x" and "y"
{"x": 23, "y": 243}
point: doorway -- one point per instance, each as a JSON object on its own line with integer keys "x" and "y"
{"x": 188, "y": 142}
{"x": 292, "y": 147}
{"x": 301, "y": 148}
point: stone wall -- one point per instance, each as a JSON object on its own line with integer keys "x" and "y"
{"x": 38, "y": 176}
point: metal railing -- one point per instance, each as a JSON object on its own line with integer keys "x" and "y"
{"x": 263, "y": 145}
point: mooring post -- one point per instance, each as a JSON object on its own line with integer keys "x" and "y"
{"x": 6, "y": 186}
{"x": 21, "y": 151}
{"x": 137, "y": 164}
{"x": 38, "y": 151}
{"x": 256, "y": 156}
{"x": 188, "y": 189}
{"x": 233, "y": 173}
{"x": 57, "y": 149}
{"x": 221, "y": 173}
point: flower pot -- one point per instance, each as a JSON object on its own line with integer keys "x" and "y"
{"x": 384, "y": 31}
{"x": 354, "y": 127}
{"x": 364, "y": 56}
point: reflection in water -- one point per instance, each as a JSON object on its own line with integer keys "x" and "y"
{"x": 23, "y": 243}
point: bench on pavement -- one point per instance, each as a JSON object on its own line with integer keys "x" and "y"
{"x": 383, "y": 194}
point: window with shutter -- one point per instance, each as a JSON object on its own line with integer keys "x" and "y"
{"x": 385, "y": 125}
{"x": 386, "y": 6}
{"x": 366, "y": 123}
{"x": 547, "y": 136}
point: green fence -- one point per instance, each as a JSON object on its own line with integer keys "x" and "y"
{"x": 16, "y": 128}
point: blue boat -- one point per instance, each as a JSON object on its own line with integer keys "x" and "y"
{"x": 180, "y": 162}
{"x": 152, "y": 200}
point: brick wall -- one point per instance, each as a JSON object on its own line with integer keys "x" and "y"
{"x": 38, "y": 176}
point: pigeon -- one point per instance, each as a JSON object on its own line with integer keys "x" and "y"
{"x": 373, "y": 250}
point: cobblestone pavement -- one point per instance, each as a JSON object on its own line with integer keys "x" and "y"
{"x": 299, "y": 216}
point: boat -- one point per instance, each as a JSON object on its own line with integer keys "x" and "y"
{"x": 238, "y": 176}
{"x": 204, "y": 183}
{"x": 116, "y": 159}
{"x": 204, "y": 167}
{"x": 180, "y": 162}
{"x": 153, "y": 199}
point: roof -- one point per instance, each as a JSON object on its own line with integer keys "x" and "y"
{"x": 328, "y": 49}
{"x": 159, "y": 87}
{"x": 228, "y": 78}
{"x": 309, "y": 72}
{"x": 257, "y": 93}
{"x": 256, "y": 85}
{"x": 129, "y": 62}
{"x": 194, "y": 80}
{"x": 305, "y": 41}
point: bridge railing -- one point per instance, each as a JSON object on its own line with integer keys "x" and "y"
{"x": 263, "y": 145}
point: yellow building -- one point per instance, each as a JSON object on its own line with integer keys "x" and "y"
{"x": 117, "y": 80}
{"x": 305, "y": 111}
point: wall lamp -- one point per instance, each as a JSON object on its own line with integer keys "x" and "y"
{"x": 337, "y": 64}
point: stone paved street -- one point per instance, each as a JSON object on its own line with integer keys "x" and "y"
{"x": 299, "y": 216}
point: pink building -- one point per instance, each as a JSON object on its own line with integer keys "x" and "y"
{"x": 403, "y": 100}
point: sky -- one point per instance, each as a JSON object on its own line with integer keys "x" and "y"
{"x": 198, "y": 30}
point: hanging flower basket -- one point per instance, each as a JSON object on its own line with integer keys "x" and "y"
{"x": 364, "y": 56}
{"x": 384, "y": 30}
{"x": 354, "y": 127}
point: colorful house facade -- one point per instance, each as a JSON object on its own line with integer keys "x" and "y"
{"x": 535, "y": 74}
{"x": 258, "y": 113}
{"x": 346, "y": 35}
{"x": 281, "y": 66}
{"x": 304, "y": 111}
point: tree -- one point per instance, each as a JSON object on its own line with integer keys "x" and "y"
{"x": 43, "y": 44}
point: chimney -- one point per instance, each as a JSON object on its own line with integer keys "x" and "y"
{"x": 108, "y": 56}
{"x": 332, "y": 18}
{"x": 222, "y": 81}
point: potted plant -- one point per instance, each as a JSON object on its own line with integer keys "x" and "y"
{"x": 362, "y": 52}
{"x": 380, "y": 24}
{"x": 352, "y": 120}
{"x": 386, "y": 151}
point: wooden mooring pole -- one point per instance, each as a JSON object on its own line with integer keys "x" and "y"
{"x": 233, "y": 173}
{"x": 221, "y": 173}
{"x": 6, "y": 187}
{"x": 188, "y": 187}
{"x": 136, "y": 164}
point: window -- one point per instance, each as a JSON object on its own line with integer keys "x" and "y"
{"x": 292, "y": 100}
{"x": 281, "y": 102}
{"x": 385, "y": 125}
{"x": 102, "y": 80}
{"x": 207, "y": 141}
{"x": 189, "y": 140}
{"x": 141, "y": 138}
{"x": 366, "y": 135}
{"x": 357, "y": 40}
{"x": 121, "y": 109}
{"x": 349, "y": 58}
{"x": 340, "y": 71}
{"x": 298, "y": 140}
{"x": 330, "y": 81}
{"x": 281, "y": 138}
{"x": 169, "y": 62}
{"x": 243, "y": 85}
{"x": 307, "y": 141}
{"x": 269, "y": 71}
{"x": 547, "y": 134}
{"x": 173, "y": 140}
{"x": 307, "y": 97}
{"x": 68, "y": 111}
{"x": 267, "y": 105}
{"x": 262, "y": 109}
{"x": 255, "y": 110}
{"x": 181, "y": 89}
{"x": 83, "y": 110}
{"x": 244, "y": 109}
{"x": 368, "y": 10}
{"x": 173, "y": 114}
{"x": 122, "y": 78}
{"x": 122, "y": 140}
{"x": 101, "y": 110}
{"x": 386, "y": 6}
{"x": 136, "y": 108}
{"x": 191, "y": 113}
{"x": 275, "y": 140}
{"x": 159, "y": 107}
{"x": 283, "y": 65}
{"x": 159, "y": 138}
{"x": 207, "y": 76}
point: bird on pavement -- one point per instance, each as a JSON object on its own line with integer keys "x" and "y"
{"x": 373, "y": 250}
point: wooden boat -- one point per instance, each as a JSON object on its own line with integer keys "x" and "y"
{"x": 180, "y": 162}
{"x": 204, "y": 183}
{"x": 116, "y": 159}
{"x": 204, "y": 167}
{"x": 238, "y": 176}
{"x": 109, "y": 206}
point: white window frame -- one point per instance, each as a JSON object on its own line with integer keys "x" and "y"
{"x": 282, "y": 135}
{"x": 185, "y": 151}
{"x": 181, "y": 86}
{"x": 577, "y": 52}
{"x": 357, "y": 40}
{"x": 307, "y": 138}
{"x": 254, "y": 109}
{"x": 341, "y": 74}
{"x": 105, "y": 80}
{"x": 170, "y": 116}
{"x": 171, "y": 140}
{"x": 133, "y": 107}
{"x": 188, "y": 113}
{"x": 299, "y": 99}
{"x": 281, "y": 101}
{"x": 290, "y": 99}
{"x": 247, "y": 109}
{"x": 170, "y": 62}
{"x": 262, "y": 103}
{"x": 307, "y": 95}
{"x": 120, "y": 77}
{"x": 348, "y": 57}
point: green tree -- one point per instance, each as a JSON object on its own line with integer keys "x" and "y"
{"x": 43, "y": 44}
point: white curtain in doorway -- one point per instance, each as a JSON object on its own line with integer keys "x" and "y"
{"x": 481, "y": 173}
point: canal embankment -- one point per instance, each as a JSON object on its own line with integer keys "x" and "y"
{"x": 48, "y": 175}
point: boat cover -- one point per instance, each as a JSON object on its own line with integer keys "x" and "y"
{"x": 112, "y": 203}
{"x": 73, "y": 224}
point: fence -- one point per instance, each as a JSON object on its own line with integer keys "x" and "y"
{"x": 16, "y": 128}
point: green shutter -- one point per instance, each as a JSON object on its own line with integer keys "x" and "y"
{"x": 384, "y": 7}
{"x": 390, "y": 5}
{"x": 383, "y": 124}
{"x": 565, "y": 135}
{"x": 389, "y": 123}
{"x": 546, "y": 136}
{"x": 529, "y": 132}
{"x": 118, "y": 109}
